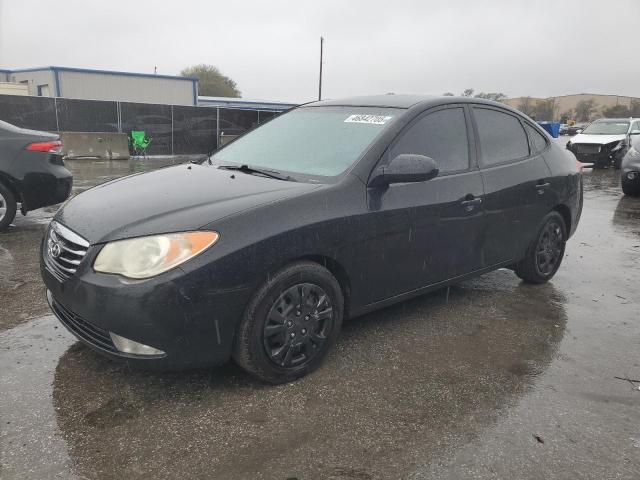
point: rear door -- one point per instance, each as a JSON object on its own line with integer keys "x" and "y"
{"x": 428, "y": 232}
{"x": 516, "y": 181}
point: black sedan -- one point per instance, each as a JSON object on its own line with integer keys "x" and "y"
{"x": 575, "y": 129}
{"x": 32, "y": 171}
{"x": 630, "y": 167}
{"x": 329, "y": 211}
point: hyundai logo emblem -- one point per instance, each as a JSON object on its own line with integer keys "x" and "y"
{"x": 54, "y": 249}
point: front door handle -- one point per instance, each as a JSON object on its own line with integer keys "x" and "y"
{"x": 541, "y": 186}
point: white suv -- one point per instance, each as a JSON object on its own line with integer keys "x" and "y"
{"x": 604, "y": 141}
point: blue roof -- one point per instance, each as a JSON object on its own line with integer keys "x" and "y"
{"x": 101, "y": 72}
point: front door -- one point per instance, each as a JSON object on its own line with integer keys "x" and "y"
{"x": 428, "y": 232}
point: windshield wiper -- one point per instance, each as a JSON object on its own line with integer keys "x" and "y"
{"x": 260, "y": 171}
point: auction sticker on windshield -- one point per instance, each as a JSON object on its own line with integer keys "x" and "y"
{"x": 375, "y": 119}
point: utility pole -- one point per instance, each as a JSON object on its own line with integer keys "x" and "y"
{"x": 320, "y": 80}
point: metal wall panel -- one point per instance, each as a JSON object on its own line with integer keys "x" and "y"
{"x": 35, "y": 78}
{"x": 126, "y": 88}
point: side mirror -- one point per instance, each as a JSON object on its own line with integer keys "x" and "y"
{"x": 405, "y": 168}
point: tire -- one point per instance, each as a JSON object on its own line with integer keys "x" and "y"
{"x": 545, "y": 254}
{"x": 277, "y": 342}
{"x": 8, "y": 207}
{"x": 631, "y": 188}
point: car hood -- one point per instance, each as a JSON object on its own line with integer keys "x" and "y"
{"x": 597, "y": 139}
{"x": 173, "y": 199}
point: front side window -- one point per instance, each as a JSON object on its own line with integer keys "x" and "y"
{"x": 441, "y": 135}
{"x": 607, "y": 128}
{"x": 501, "y": 136}
{"x": 315, "y": 141}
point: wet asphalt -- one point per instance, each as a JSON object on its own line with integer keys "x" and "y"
{"x": 497, "y": 379}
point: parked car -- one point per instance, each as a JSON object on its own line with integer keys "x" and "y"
{"x": 604, "y": 142}
{"x": 564, "y": 128}
{"x": 329, "y": 211}
{"x": 630, "y": 175}
{"x": 575, "y": 128}
{"x": 32, "y": 171}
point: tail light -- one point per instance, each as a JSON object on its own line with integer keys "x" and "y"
{"x": 53, "y": 146}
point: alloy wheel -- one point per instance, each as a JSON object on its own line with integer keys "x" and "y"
{"x": 298, "y": 325}
{"x": 549, "y": 248}
{"x": 3, "y": 207}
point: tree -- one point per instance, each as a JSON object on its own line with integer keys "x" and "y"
{"x": 545, "y": 109}
{"x": 448, "y": 94}
{"x": 585, "y": 109}
{"x": 496, "y": 97}
{"x": 467, "y": 92}
{"x": 617, "y": 111}
{"x": 526, "y": 106}
{"x": 211, "y": 82}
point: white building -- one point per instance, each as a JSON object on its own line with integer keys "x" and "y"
{"x": 88, "y": 84}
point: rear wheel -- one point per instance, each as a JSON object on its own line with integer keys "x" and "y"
{"x": 8, "y": 207}
{"x": 290, "y": 324}
{"x": 544, "y": 255}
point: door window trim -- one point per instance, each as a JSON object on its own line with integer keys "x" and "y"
{"x": 471, "y": 143}
{"x": 532, "y": 150}
{"x": 481, "y": 162}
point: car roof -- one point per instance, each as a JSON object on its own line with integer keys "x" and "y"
{"x": 391, "y": 100}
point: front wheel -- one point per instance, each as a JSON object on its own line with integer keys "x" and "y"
{"x": 8, "y": 207}
{"x": 290, "y": 324}
{"x": 544, "y": 255}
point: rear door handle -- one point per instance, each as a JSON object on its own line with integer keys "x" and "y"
{"x": 470, "y": 203}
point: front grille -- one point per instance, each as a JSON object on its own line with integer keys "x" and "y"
{"x": 587, "y": 148}
{"x": 63, "y": 251}
{"x": 82, "y": 329}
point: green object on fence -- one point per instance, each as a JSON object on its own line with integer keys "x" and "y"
{"x": 139, "y": 142}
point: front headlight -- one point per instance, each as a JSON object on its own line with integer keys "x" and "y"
{"x": 147, "y": 257}
{"x": 618, "y": 146}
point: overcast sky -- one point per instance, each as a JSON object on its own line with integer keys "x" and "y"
{"x": 271, "y": 48}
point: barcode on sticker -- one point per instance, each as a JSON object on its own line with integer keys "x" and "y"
{"x": 375, "y": 119}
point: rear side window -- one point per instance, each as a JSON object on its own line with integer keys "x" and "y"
{"x": 441, "y": 135}
{"x": 501, "y": 135}
{"x": 537, "y": 139}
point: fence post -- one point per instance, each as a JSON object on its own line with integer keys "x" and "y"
{"x": 172, "y": 154}
{"x": 55, "y": 108}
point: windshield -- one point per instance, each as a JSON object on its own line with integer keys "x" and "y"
{"x": 322, "y": 141}
{"x": 607, "y": 128}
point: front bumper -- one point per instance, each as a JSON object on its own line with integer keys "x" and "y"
{"x": 178, "y": 312}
